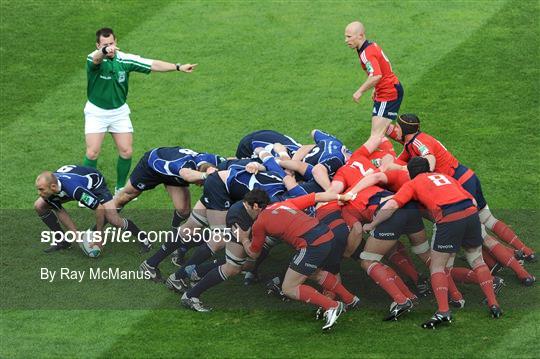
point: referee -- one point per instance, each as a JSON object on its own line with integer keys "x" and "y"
{"x": 106, "y": 109}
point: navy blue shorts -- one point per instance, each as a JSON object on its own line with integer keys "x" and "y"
{"x": 215, "y": 195}
{"x": 145, "y": 178}
{"x": 406, "y": 220}
{"x": 448, "y": 237}
{"x": 332, "y": 264}
{"x": 307, "y": 260}
{"x": 389, "y": 109}
{"x": 102, "y": 193}
{"x": 472, "y": 185}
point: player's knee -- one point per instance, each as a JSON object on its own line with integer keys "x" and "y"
{"x": 474, "y": 256}
{"x": 92, "y": 153}
{"x": 487, "y": 218}
{"x": 40, "y": 205}
{"x": 125, "y": 152}
{"x": 367, "y": 259}
{"x": 421, "y": 248}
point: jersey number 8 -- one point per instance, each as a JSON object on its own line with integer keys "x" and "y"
{"x": 65, "y": 169}
{"x": 439, "y": 180}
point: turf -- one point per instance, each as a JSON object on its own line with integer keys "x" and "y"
{"x": 470, "y": 70}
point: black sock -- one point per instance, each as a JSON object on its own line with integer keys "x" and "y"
{"x": 51, "y": 221}
{"x": 202, "y": 253}
{"x": 206, "y": 267}
{"x": 213, "y": 278}
{"x": 132, "y": 227}
{"x": 163, "y": 252}
{"x": 183, "y": 247}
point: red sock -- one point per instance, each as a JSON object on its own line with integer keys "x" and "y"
{"x": 488, "y": 258}
{"x": 486, "y": 283}
{"x": 379, "y": 274}
{"x": 454, "y": 292}
{"x": 391, "y": 132}
{"x": 402, "y": 263}
{"x": 310, "y": 295}
{"x": 506, "y": 234}
{"x": 439, "y": 284}
{"x": 400, "y": 284}
{"x": 505, "y": 256}
{"x": 331, "y": 283}
{"x": 463, "y": 275}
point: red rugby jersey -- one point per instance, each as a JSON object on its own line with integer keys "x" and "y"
{"x": 434, "y": 190}
{"x": 395, "y": 179}
{"x": 375, "y": 63}
{"x": 357, "y": 167}
{"x": 422, "y": 145}
{"x": 287, "y": 221}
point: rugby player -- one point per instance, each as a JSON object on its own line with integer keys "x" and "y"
{"x": 175, "y": 168}
{"x": 313, "y": 241}
{"x": 322, "y": 159}
{"x": 418, "y": 143}
{"x": 388, "y": 92}
{"x": 276, "y": 183}
{"x": 393, "y": 180}
{"x": 361, "y": 209}
{"x": 85, "y": 185}
{"x": 265, "y": 139}
{"x": 221, "y": 190}
{"x": 457, "y": 224}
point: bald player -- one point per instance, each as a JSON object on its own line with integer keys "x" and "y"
{"x": 388, "y": 92}
{"x": 87, "y": 186}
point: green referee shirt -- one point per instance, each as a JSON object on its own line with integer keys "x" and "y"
{"x": 108, "y": 81}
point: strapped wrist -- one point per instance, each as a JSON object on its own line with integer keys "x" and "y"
{"x": 104, "y": 50}
{"x": 178, "y": 65}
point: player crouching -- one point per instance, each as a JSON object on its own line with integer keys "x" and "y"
{"x": 85, "y": 185}
{"x": 313, "y": 241}
{"x": 456, "y": 224}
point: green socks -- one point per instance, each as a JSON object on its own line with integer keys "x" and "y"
{"x": 122, "y": 170}
{"x": 89, "y": 163}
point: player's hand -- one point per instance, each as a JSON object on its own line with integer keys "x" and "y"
{"x": 356, "y": 96}
{"x": 368, "y": 227}
{"x": 211, "y": 170}
{"x": 252, "y": 167}
{"x": 188, "y": 67}
{"x": 347, "y": 197}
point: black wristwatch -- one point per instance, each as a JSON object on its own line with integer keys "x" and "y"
{"x": 178, "y": 67}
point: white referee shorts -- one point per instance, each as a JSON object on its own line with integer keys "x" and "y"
{"x": 98, "y": 120}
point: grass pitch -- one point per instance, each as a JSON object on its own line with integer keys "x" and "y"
{"x": 469, "y": 69}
